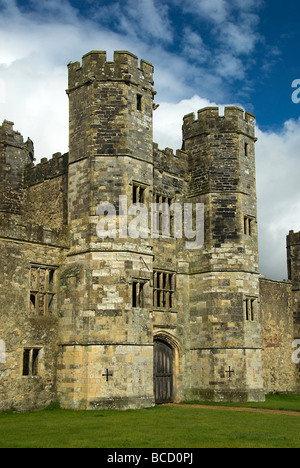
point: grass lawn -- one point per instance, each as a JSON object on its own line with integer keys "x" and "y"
{"x": 159, "y": 427}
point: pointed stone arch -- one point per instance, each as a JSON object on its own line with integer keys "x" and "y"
{"x": 170, "y": 356}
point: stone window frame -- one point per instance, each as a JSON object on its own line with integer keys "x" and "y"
{"x": 42, "y": 290}
{"x": 164, "y": 289}
{"x": 138, "y": 192}
{"x": 138, "y": 293}
{"x": 250, "y": 308}
{"x": 248, "y": 225}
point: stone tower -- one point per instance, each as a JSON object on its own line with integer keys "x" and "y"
{"x": 105, "y": 327}
{"x": 224, "y": 276}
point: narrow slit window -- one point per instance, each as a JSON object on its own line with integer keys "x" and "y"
{"x": 138, "y": 193}
{"x": 249, "y": 308}
{"x": 139, "y": 102}
{"x": 248, "y": 226}
{"x": 26, "y": 358}
{"x": 138, "y": 294}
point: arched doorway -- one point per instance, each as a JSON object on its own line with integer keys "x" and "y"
{"x": 163, "y": 372}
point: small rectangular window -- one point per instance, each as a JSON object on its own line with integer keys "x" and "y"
{"x": 163, "y": 289}
{"x": 248, "y": 226}
{"x": 246, "y": 149}
{"x": 138, "y": 193}
{"x": 31, "y": 361}
{"x": 249, "y": 309}
{"x": 138, "y": 294}
{"x": 163, "y": 215}
{"x": 139, "y": 102}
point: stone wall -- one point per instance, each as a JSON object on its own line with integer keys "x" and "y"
{"x": 278, "y": 336}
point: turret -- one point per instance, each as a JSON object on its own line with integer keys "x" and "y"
{"x": 222, "y": 175}
{"x": 224, "y": 291}
{"x": 14, "y": 155}
{"x": 108, "y": 314}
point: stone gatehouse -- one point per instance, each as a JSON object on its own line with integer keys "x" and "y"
{"x": 126, "y": 321}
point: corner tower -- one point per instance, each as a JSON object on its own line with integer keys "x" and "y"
{"x": 224, "y": 277}
{"x": 106, "y": 358}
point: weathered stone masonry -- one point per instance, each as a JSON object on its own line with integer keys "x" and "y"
{"x": 126, "y": 322}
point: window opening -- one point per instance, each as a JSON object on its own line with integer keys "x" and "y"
{"x": 31, "y": 361}
{"x": 138, "y": 294}
{"x": 249, "y": 307}
{"x": 139, "y": 102}
{"x": 41, "y": 290}
{"x": 138, "y": 193}
{"x": 163, "y": 289}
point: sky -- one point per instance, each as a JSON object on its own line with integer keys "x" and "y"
{"x": 205, "y": 53}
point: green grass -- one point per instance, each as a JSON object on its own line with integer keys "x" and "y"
{"x": 273, "y": 402}
{"x": 159, "y": 427}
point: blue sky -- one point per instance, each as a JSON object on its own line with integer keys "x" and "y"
{"x": 205, "y": 52}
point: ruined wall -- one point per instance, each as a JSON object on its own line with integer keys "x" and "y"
{"x": 30, "y": 255}
{"x": 278, "y": 336}
{"x": 24, "y": 329}
{"x": 14, "y": 154}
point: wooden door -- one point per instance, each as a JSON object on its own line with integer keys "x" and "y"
{"x": 163, "y": 372}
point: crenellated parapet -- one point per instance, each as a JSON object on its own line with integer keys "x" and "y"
{"x": 209, "y": 120}
{"x": 125, "y": 67}
{"x": 170, "y": 161}
{"x": 46, "y": 169}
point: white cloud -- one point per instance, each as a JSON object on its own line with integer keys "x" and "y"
{"x": 194, "y": 46}
{"x": 168, "y": 120}
{"x": 239, "y": 38}
{"x": 150, "y": 18}
{"x": 278, "y": 169}
{"x": 213, "y": 10}
{"x": 229, "y": 67}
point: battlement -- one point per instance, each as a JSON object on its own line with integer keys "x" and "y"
{"x": 293, "y": 238}
{"x": 46, "y": 169}
{"x": 167, "y": 160}
{"x": 125, "y": 67}
{"x": 209, "y": 120}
